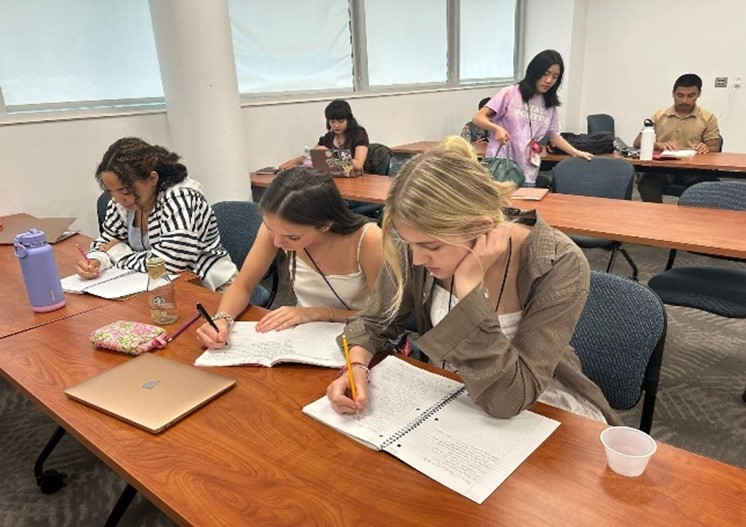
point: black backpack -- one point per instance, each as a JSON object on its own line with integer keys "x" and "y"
{"x": 378, "y": 159}
{"x": 595, "y": 143}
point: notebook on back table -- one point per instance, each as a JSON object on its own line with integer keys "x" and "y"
{"x": 337, "y": 162}
{"x": 149, "y": 391}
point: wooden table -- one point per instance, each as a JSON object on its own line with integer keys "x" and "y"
{"x": 731, "y": 164}
{"x": 710, "y": 231}
{"x": 252, "y": 457}
{"x": 16, "y": 314}
{"x": 423, "y": 146}
{"x": 369, "y": 188}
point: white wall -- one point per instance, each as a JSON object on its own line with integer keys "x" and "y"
{"x": 47, "y": 169}
{"x": 636, "y": 49}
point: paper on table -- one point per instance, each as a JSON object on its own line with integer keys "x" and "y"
{"x": 113, "y": 283}
{"x": 678, "y": 153}
{"x": 312, "y": 343}
{"x": 533, "y": 194}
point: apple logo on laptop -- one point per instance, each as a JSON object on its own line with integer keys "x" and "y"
{"x": 151, "y": 384}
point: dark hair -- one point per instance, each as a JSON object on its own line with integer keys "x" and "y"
{"x": 340, "y": 109}
{"x": 483, "y": 102}
{"x": 131, "y": 159}
{"x": 310, "y": 197}
{"x": 687, "y": 81}
{"x": 538, "y": 66}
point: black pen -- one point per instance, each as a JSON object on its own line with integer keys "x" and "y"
{"x": 206, "y": 316}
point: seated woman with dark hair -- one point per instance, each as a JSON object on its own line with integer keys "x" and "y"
{"x": 155, "y": 210}
{"x": 343, "y": 132}
{"x": 334, "y": 256}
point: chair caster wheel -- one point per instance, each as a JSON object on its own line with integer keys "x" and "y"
{"x": 51, "y": 481}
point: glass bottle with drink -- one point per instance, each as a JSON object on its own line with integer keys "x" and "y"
{"x": 161, "y": 293}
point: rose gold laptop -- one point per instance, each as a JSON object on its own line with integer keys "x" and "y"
{"x": 150, "y": 392}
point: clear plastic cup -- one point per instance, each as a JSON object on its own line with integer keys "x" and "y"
{"x": 628, "y": 450}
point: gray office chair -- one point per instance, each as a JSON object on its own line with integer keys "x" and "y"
{"x": 717, "y": 290}
{"x": 601, "y": 177}
{"x": 238, "y": 223}
{"x": 600, "y": 122}
{"x": 619, "y": 339}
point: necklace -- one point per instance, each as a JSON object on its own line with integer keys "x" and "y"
{"x": 502, "y": 286}
{"x": 326, "y": 280}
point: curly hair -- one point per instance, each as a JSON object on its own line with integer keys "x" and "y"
{"x": 132, "y": 159}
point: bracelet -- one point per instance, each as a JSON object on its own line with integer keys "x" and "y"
{"x": 225, "y": 316}
{"x": 355, "y": 365}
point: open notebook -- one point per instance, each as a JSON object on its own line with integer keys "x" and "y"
{"x": 113, "y": 283}
{"x": 429, "y": 422}
{"x": 313, "y": 343}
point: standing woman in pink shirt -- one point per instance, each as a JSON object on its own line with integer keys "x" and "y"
{"x": 522, "y": 114}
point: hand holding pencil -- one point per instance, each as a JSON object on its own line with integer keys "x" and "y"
{"x": 348, "y": 392}
{"x": 87, "y": 268}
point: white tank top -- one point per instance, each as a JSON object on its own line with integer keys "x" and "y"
{"x": 311, "y": 290}
{"x": 555, "y": 394}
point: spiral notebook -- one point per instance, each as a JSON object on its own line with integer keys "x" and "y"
{"x": 429, "y": 422}
{"x": 113, "y": 283}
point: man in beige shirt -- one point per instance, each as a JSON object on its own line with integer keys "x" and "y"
{"x": 683, "y": 126}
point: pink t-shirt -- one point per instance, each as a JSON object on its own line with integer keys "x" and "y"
{"x": 512, "y": 113}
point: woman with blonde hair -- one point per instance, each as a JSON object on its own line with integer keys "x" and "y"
{"x": 496, "y": 292}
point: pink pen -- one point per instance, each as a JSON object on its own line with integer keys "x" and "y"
{"x": 84, "y": 255}
{"x": 183, "y": 328}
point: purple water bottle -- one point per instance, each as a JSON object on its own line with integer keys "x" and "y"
{"x": 39, "y": 271}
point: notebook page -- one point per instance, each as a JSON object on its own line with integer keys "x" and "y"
{"x": 397, "y": 395}
{"x": 467, "y": 450}
{"x": 313, "y": 343}
{"x": 75, "y": 284}
{"x": 129, "y": 283}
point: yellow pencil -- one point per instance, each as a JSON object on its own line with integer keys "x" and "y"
{"x": 351, "y": 377}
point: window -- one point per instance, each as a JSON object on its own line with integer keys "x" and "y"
{"x": 403, "y": 52}
{"x": 371, "y": 45}
{"x": 286, "y": 45}
{"x": 487, "y": 44}
{"x": 54, "y": 52}
{"x": 61, "y": 54}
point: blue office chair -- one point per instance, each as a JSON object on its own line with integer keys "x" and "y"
{"x": 238, "y": 223}
{"x": 717, "y": 290}
{"x": 102, "y": 204}
{"x": 601, "y": 177}
{"x": 619, "y": 339}
{"x": 600, "y": 122}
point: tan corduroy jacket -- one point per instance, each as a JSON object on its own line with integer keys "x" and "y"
{"x": 502, "y": 376}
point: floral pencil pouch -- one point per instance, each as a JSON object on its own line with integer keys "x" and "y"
{"x": 132, "y": 338}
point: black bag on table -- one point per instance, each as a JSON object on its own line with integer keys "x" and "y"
{"x": 595, "y": 143}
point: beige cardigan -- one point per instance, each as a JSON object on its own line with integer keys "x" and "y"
{"x": 502, "y": 376}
